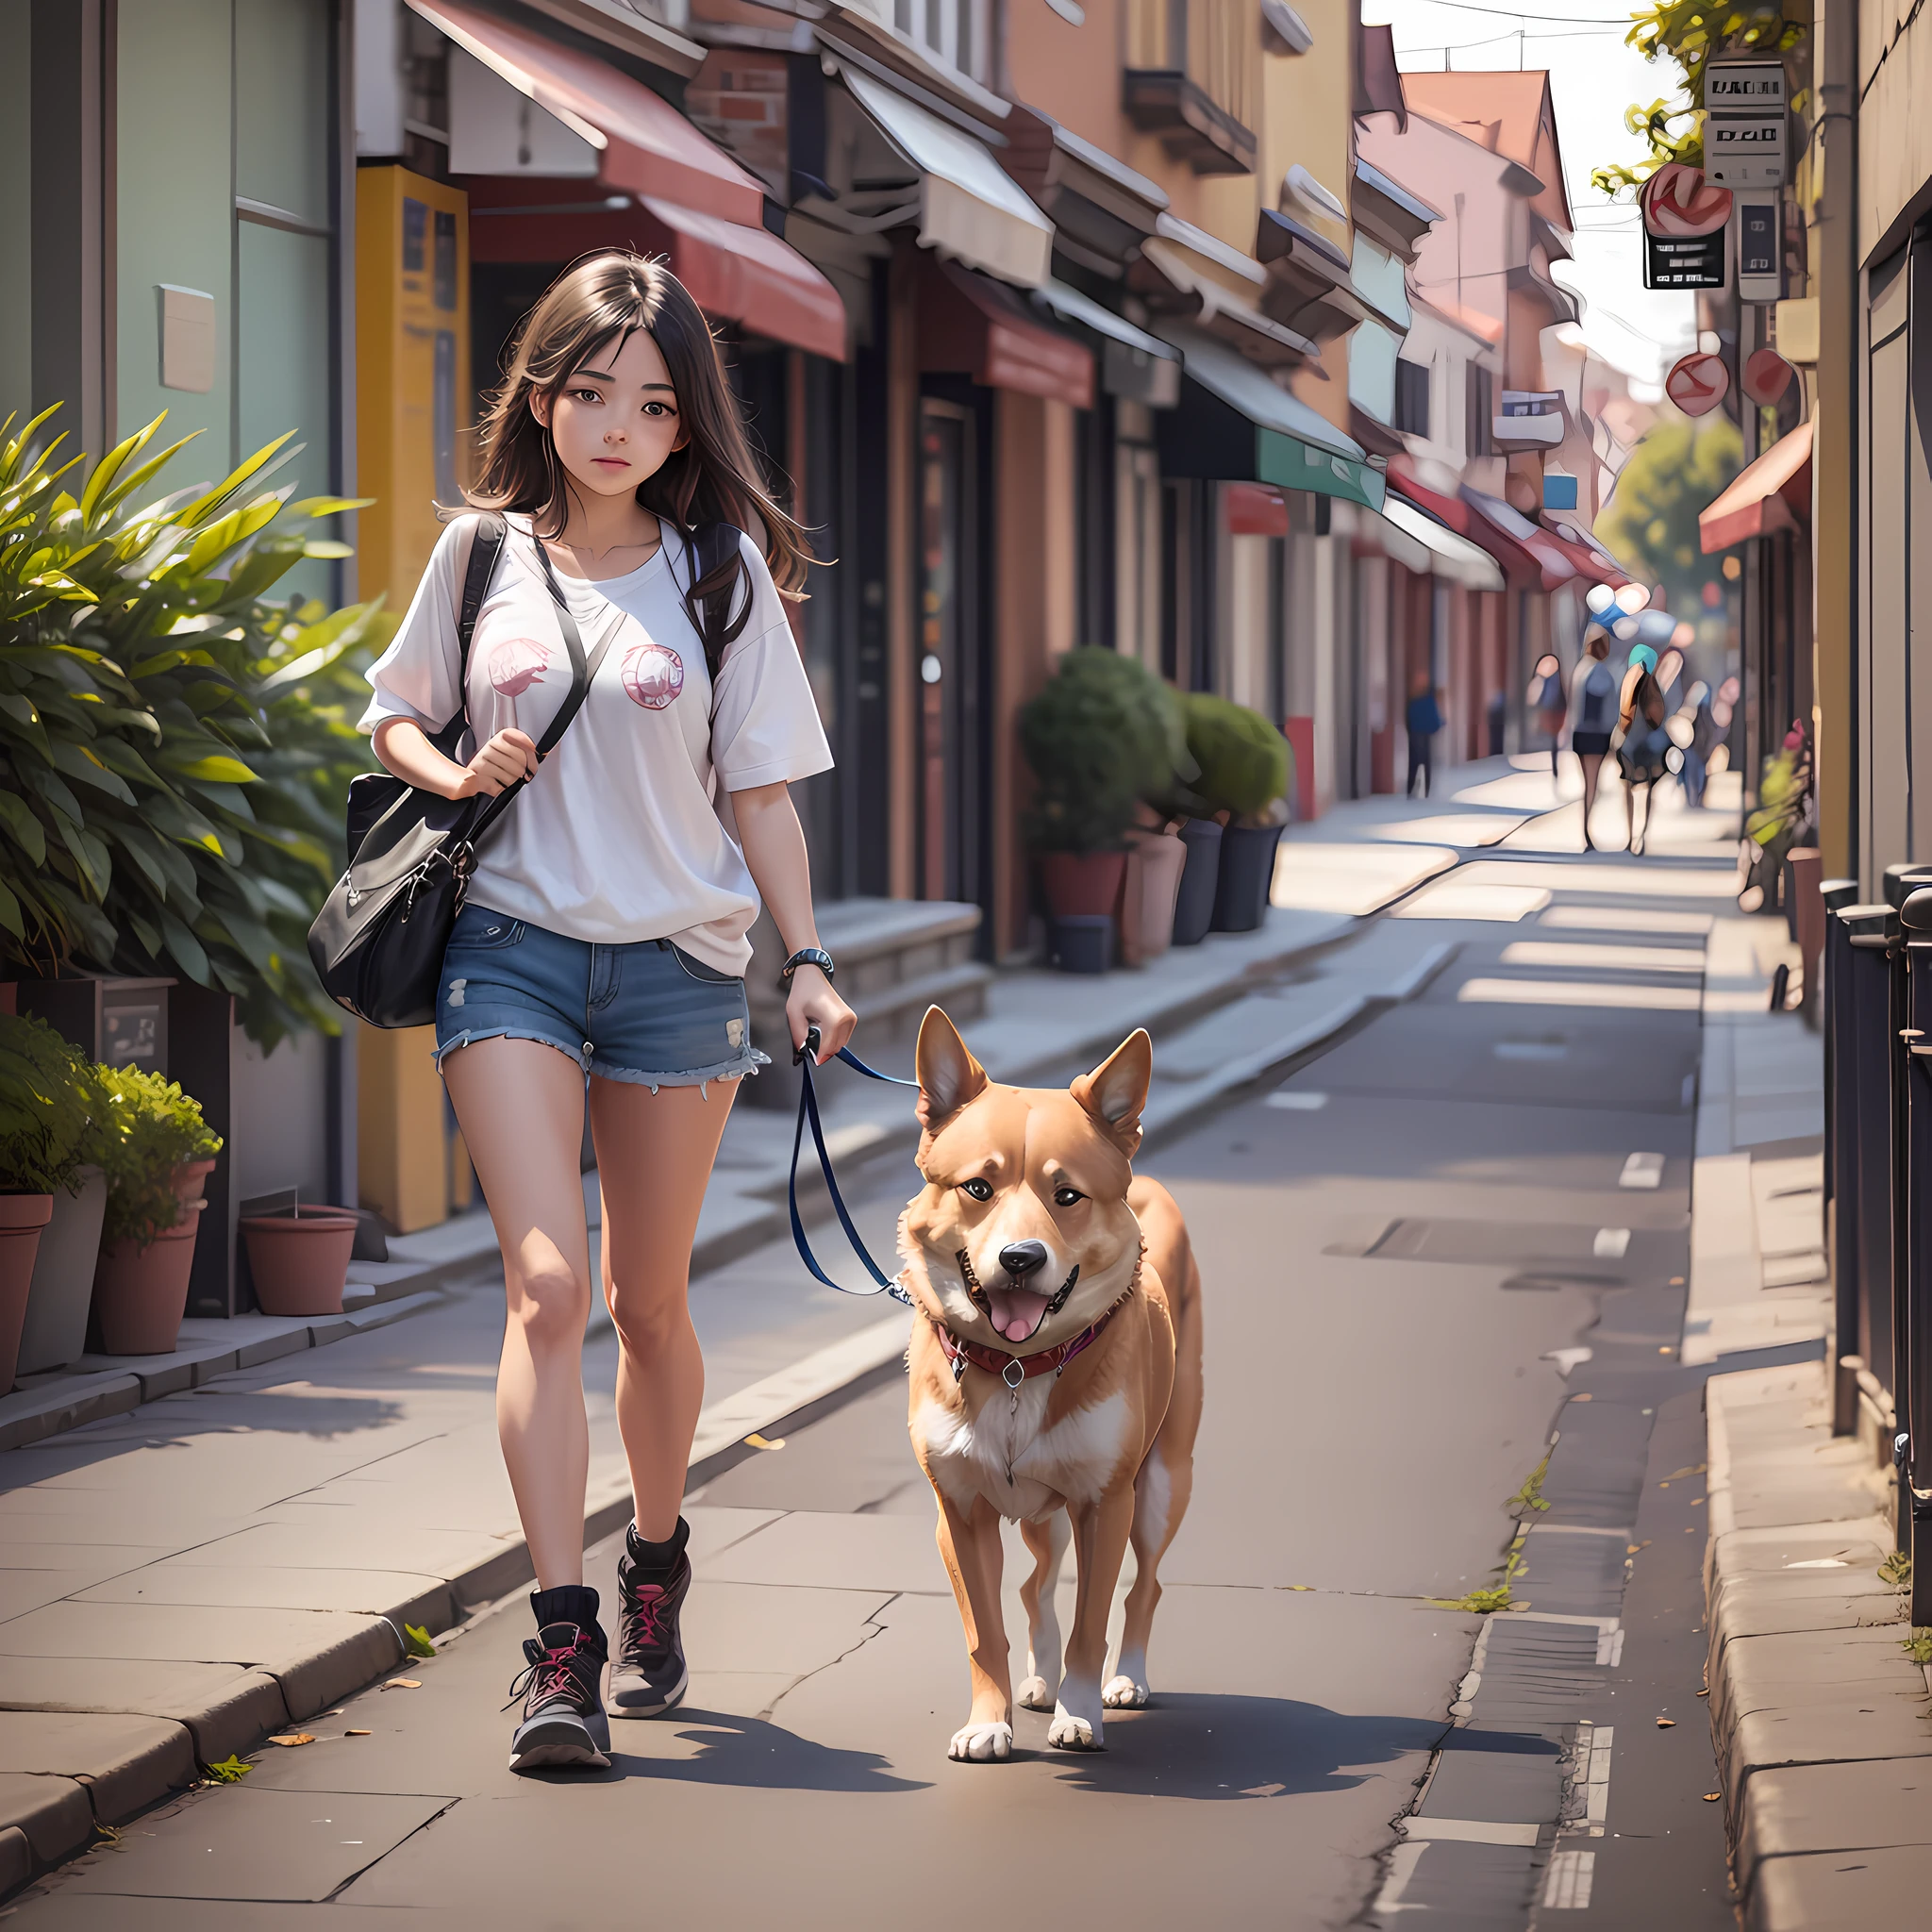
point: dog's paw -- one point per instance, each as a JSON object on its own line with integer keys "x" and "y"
{"x": 1070, "y": 1733}
{"x": 1034, "y": 1694}
{"x": 1123, "y": 1693}
{"x": 981, "y": 1745}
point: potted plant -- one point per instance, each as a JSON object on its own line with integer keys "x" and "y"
{"x": 1243, "y": 764}
{"x": 147, "y": 1240}
{"x": 1099, "y": 738}
{"x": 300, "y": 1261}
{"x": 43, "y": 1130}
{"x": 53, "y": 1331}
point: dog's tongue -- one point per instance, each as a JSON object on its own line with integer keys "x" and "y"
{"x": 1016, "y": 1311}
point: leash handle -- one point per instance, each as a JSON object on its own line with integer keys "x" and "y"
{"x": 814, "y": 1041}
{"x": 805, "y": 1057}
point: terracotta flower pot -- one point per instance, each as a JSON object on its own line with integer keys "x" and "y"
{"x": 192, "y": 1177}
{"x": 140, "y": 1293}
{"x": 1081, "y": 884}
{"x": 1147, "y": 897}
{"x": 22, "y": 1218}
{"x": 300, "y": 1262}
{"x": 55, "y": 1332}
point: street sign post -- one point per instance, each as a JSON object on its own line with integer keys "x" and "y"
{"x": 1684, "y": 220}
{"x": 1745, "y": 123}
{"x": 1760, "y": 251}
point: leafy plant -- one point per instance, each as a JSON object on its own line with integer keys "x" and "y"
{"x": 1918, "y": 1646}
{"x": 173, "y": 744}
{"x": 158, "y": 1129}
{"x": 1530, "y": 1496}
{"x": 52, "y": 1109}
{"x": 1244, "y": 762}
{"x": 1100, "y": 737}
{"x": 1692, "y": 33}
{"x": 231, "y": 1770}
{"x": 1897, "y": 1571}
{"x": 417, "y": 1641}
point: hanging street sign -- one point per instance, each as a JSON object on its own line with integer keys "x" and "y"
{"x": 1677, "y": 203}
{"x": 1697, "y": 261}
{"x": 1760, "y": 253}
{"x": 1767, "y": 375}
{"x": 1697, "y": 384}
{"x": 1745, "y": 124}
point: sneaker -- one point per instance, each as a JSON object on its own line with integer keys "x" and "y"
{"x": 563, "y": 1715}
{"x": 649, "y": 1674}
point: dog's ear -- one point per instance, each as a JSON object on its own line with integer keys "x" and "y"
{"x": 949, "y": 1077}
{"x": 1116, "y": 1090}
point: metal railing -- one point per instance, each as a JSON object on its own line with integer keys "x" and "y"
{"x": 1878, "y": 1182}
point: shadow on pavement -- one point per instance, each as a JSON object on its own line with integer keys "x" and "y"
{"x": 1218, "y": 1745}
{"x": 756, "y": 1755}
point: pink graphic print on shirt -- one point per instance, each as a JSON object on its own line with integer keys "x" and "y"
{"x": 653, "y": 675}
{"x": 516, "y": 664}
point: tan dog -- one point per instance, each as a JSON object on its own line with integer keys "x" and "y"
{"x": 1056, "y": 1370}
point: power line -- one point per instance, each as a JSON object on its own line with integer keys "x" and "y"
{"x": 1622, "y": 20}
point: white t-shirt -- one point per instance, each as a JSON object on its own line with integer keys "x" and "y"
{"x": 625, "y": 833}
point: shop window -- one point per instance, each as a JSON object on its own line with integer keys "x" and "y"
{"x": 1412, "y": 380}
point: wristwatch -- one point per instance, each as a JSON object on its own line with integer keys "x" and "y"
{"x": 809, "y": 956}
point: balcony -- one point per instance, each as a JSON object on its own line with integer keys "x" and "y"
{"x": 1191, "y": 79}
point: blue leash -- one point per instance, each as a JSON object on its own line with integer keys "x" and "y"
{"x": 806, "y": 1058}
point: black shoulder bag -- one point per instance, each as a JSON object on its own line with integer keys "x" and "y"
{"x": 379, "y": 942}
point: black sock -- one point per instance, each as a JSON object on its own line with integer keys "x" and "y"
{"x": 655, "y": 1561}
{"x": 567, "y": 1602}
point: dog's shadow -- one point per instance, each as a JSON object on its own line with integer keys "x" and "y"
{"x": 1218, "y": 1745}
{"x": 755, "y": 1754}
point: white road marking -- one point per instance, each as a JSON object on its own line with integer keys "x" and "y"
{"x": 1611, "y": 1243}
{"x": 1571, "y": 1874}
{"x": 1466, "y": 1831}
{"x": 1642, "y": 1171}
{"x": 1298, "y": 1100}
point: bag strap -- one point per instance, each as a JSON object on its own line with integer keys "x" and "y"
{"x": 486, "y": 547}
{"x": 710, "y": 545}
{"x": 582, "y": 670}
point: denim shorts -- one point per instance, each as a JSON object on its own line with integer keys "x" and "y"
{"x": 647, "y": 1013}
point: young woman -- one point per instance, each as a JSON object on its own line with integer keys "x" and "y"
{"x": 605, "y": 929}
{"x": 1645, "y": 741}
{"x": 1592, "y": 712}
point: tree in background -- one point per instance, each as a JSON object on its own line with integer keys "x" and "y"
{"x": 1650, "y": 523}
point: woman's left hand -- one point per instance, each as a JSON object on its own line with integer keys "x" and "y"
{"x": 812, "y": 1003}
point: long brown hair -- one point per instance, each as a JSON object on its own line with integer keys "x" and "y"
{"x": 714, "y": 478}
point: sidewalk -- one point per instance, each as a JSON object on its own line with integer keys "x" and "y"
{"x": 243, "y": 1543}
{"x": 1818, "y": 1715}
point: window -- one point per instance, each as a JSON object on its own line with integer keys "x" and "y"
{"x": 1412, "y": 398}
{"x": 1478, "y": 408}
{"x": 954, "y": 31}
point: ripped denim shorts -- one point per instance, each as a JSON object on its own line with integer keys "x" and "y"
{"x": 649, "y": 1012}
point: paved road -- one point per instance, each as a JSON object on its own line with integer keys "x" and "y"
{"x": 1399, "y": 1244}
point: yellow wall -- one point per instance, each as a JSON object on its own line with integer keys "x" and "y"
{"x": 412, "y": 354}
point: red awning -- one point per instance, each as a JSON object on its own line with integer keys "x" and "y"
{"x": 1455, "y": 514}
{"x": 1450, "y": 511}
{"x": 1256, "y": 509}
{"x": 968, "y": 324}
{"x": 1772, "y": 494}
{"x": 645, "y": 145}
{"x": 1586, "y": 563}
{"x": 1534, "y": 552}
{"x": 747, "y": 274}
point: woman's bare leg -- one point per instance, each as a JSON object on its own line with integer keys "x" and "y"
{"x": 1592, "y": 764}
{"x": 520, "y": 1107}
{"x": 655, "y": 1153}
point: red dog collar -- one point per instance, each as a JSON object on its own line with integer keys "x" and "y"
{"x": 1048, "y": 1361}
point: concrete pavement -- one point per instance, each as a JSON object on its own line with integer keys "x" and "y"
{"x": 1367, "y": 1417}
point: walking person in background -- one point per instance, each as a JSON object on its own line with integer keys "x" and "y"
{"x": 1645, "y": 741}
{"x": 1550, "y": 704}
{"x": 1423, "y": 719}
{"x": 1592, "y": 715}
{"x": 605, "y": 933}
{"x": 1703, "y": 734}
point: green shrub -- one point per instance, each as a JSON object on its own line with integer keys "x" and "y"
{"x": 156, "y": 1128}
{"x": 173, "y": 746}
{"x": 1244, "y": 762}
{"x": 1103, "y": 735}
{"x": 53, "y": 1109}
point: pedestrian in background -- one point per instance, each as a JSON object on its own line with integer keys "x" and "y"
{"x": 1592, "y": 717}
{"x": 605, "y": 929}
{"x": 1548, "y": 704}
{"x": 1423, "y": 719}
{"x": 1644, "y": 741}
